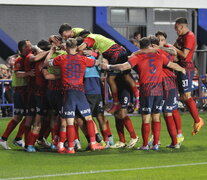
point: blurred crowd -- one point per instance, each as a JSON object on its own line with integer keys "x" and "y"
{"x": 6, "y": 74}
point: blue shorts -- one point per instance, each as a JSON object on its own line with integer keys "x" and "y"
{"x": 30, "y": 104}
{"x": 41, "y": 105}
{"x": 185, "y": 81}
{"x": 54, "y": 98}
{"x": 151, "y": 104}
{"x": 170, "y": 101}
{"x": 19, "y": 101}
{"x": 74, "y": 100}
{"x": 96, "y": 103}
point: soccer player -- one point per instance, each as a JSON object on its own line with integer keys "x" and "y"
{"x": 162, "y": 36}
{"x": 185, "y": 46}
{"x": 29, "y": 58}
{"x": 72, "y": 67}
{"x": 170, "y": 95}
{"x": 121, "y": 118}
{"x": 66, "y": 31}
{"x": 149, "y": 67}
{"x": 54, "y": 95}
{"x": 115, "y": 54}
{"x": 20, "y": 85}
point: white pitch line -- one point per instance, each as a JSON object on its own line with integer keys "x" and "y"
{"x": 103, "y": 171}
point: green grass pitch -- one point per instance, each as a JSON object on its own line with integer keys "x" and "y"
{"x": 17, "y": 163}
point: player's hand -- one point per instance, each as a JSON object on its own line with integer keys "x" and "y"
{"x": 103, "y": 66}
{"x": 184, "y": 71}
{"x": 87, "y": 52}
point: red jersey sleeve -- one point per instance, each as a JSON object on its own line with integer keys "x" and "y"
{"x": 165, "y": 59}
{"x": 89, "y": 62}
{"x": 19, "y": 64}
{"x": 133, "y": 61}
{"x": 89, "y": 41}
{"x": 189, "y": 42}
{"x": 57, "y": 61}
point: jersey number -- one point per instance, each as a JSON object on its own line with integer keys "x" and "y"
{"x": 152, "y": 66}
{"x": 73, "y": 70}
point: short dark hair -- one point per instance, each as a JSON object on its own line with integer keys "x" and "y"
{"x": 181, "y": 20}
{"x": 154, "y": 40}
{"x": 84, "y": 33}
{"x": 44, "y": 45}
{"x": 161, "y": 33}
{"x": 144, "y": 42}
{"x": 71, "y": 43}
{"x": 64, "y": 27}
{"x": 136, "y": 33}
{"x": 21, "y": 45}
{"x": 79, "y": 40}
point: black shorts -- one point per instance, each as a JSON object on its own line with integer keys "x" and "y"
{"x": 30, "y": 104}
{"x": 41, "y": 105}
{"x": 96, "y": 103}
{"x": 54, "y": 98}
{"x": 19, "y": 101}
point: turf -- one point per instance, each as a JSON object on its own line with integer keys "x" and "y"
{"x": 17, "y": 163}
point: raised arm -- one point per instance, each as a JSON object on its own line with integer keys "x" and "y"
{"x": 38, "y": 57}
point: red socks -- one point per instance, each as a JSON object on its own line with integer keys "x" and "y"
{"x": 120, "y": 129}
{"x": 33, "y": 138}
{"x": 192, "y": 109}
{"x": 171, "y": 129}
{"x": 156, "y": 127}
{"x": 91, "y": 130}
{"x": 10, "y": 127}
{"x": 145, "y": 133}
{"x": 105, "y": 135}
{"x": 177, "y": 120}
{"x": 108, "y": 128}
{"x": 62, "y": 136}
{"x": 129, "y": 126}
{"x": 70, "y": 135}
{"x": 27, "y": 135}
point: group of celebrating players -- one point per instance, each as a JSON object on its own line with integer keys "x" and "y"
{"x": 58, "y": 89}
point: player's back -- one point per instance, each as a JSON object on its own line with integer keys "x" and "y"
{"x": 150, "y": 66}
{"x": 72, "y": 69}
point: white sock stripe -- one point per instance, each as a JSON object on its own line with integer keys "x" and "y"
{"x": 104, "y": 171}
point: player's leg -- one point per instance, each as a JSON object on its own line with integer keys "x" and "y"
{"x": 185, "y": 88}
{"x": 170, "y": 103}
{"x": 19, "y": 112}
{"x": 156, "y": 127}
{"x": 70, "y": 135}
{"x": 112, "y": 83}
{"x": 18, "y": 141}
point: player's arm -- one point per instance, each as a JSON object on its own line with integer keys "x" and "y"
{"x": 34, "y": 58}
{"x": 176, "y": 67}
{"x": 169, "y": 50}
{"x": 183, "y": 53}
{"x": 118, "y": 67}
{"x": 49, "y": 76}
{"x": 82, "y": 46}
{"x": 49, "y": 56}
{"x": 22, "y": 74}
